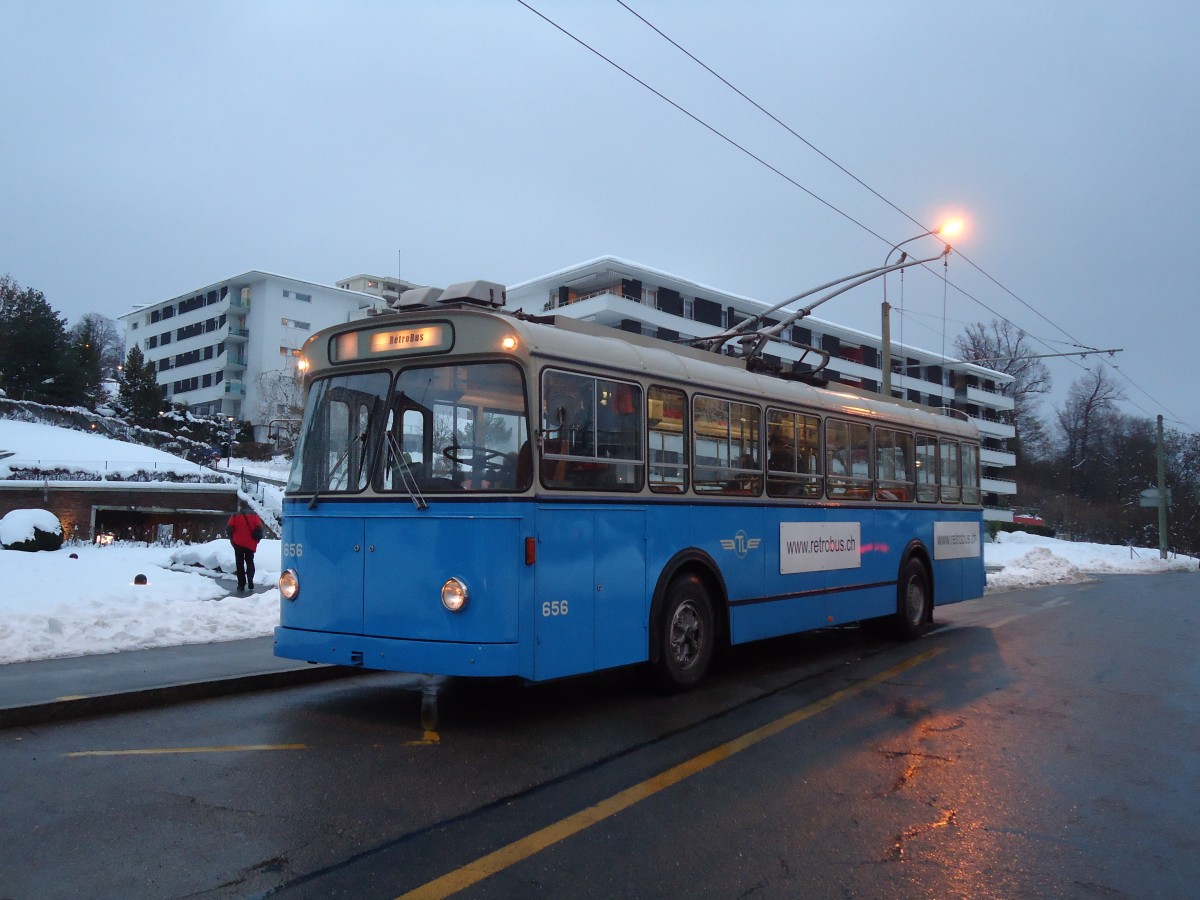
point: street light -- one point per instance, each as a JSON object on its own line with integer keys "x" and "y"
{"x": 946, "y": 229}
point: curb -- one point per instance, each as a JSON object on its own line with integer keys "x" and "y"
{"x": 149, "y": 698}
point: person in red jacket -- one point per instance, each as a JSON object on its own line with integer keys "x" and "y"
{"x": 245, "y": 530}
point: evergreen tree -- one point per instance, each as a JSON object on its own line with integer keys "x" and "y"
{"x": 140, "y": 395}
{"x": 35, "y": 362}
{"x": 91, "y": 342}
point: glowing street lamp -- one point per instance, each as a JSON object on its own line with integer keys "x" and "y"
{"x": 947, "y": 229}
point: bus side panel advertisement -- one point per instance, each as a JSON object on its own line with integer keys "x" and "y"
{"x": 956, "y": 540}
{"x": 819, "y": 546}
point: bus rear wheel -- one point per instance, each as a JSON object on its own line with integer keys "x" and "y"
{"x": 913, "y": 601}
{"x": 686, "y": 634}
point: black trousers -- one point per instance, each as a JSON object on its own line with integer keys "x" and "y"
{"x": 245, "y": 566}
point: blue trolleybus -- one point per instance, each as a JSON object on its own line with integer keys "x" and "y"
{"x": 481, "y": 492}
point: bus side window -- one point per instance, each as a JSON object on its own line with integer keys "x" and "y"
{"x": 970, "y": 473}
{"x": 591, "y": 436}
{"x": 666, "y": 427}
{"x": 725, "y": 447}
{"x": 927, "y": 469}
{"x": 793, "y": 454}
{"x": 950, "y": 483}
{"x": 847, "y": 451}
{"x": 894, "y": 465}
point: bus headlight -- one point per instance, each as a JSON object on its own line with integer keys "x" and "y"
{"x": 454, "y": 595}
{"x": 289, "y": 584}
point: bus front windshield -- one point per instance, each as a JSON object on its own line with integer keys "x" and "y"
{"x": 458, "y": 427}
{"x": 343, "y": 419}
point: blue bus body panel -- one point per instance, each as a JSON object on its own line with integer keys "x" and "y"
{"x": 371, "y": 576}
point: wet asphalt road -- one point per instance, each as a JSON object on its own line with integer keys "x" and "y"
{"x": 1039, "y": 743}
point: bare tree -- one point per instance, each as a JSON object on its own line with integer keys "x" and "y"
{"x": 1005, "y": 348}
{"x": 1090, "y": 402}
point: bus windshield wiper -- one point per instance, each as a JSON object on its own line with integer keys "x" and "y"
{"x": 407, "y": 478}
{"x": 332, "y": 472}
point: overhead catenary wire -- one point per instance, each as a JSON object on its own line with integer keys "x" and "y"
{"x": 779, "y": 172}
{"x": 902, "y": 212}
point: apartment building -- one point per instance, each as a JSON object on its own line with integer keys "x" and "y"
{"x": 636, "y": 298}
{"x": 387, "y": 288}
{"x": 231, "y": 348}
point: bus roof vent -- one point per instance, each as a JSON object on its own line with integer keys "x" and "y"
{"x": 416, "y": 297}
{"x": 480, "y": 293}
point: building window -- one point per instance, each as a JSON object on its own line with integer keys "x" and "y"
{"x": 292, "y": 323}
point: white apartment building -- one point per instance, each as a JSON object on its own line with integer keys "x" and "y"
{"x": 639, "y": 299}
{"x": 231, "y": 348}
{"x": 382, "y": 286}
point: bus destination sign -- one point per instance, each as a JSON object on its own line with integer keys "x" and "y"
{"x": 431, "y": 338}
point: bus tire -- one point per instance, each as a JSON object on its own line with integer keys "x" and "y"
{"x": 686, "y": 634}
{"x": 914, "y": 600}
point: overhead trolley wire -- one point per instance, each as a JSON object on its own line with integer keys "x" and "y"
{"x": 828, "y": 204}
{"x": 774, "y": 118}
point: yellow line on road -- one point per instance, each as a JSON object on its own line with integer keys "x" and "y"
{"x": 497, "y": 861}
{"x": 158, "y": 751}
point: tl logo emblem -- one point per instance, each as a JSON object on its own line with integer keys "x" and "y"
{"x": 740, "y": 544}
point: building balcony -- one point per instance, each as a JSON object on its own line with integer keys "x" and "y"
{"x": 235, "y": 361}
{"x": 990, "y": 399}
{"x": 993, "y": 429}
{"x": 1000, "y": 459}
{"x": 235, "y": 387}
{"x": 238, "y": 334}
{"x": 1002, "y": 486}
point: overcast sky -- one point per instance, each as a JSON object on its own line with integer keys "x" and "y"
{"x": 151, "y": 148}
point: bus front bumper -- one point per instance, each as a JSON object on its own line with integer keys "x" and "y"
{"x": 396, "y": 655}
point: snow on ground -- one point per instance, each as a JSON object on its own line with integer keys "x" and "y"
{"x": 53, "y": 605}
{"x": 1028, "y": 560}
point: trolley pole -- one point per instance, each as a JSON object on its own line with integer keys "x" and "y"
{"x": 1162, "y": 494}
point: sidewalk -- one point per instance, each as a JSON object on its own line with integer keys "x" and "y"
{"x": 52, "y": 690}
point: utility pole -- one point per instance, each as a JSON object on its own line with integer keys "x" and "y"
{"x": 1162, "y": 494}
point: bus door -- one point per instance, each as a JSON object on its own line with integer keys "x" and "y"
{"x": 591, "y": 594}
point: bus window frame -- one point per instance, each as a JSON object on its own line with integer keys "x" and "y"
{"x": 566, "y": 467}
{"x": 949, "y": 491}
{"x": 928, "y": 488}
{"x": 972, "y": 493}
{"x": 793, "y": 483}
{"x": 729, "y": 480}
{"x": 895, "y": 490}
{"x": 684, "y": 435}
{"x": 849, "y": 485}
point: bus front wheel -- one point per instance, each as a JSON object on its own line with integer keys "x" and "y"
{"x": 914, "y": 600}
{"x": 686, "y": 634}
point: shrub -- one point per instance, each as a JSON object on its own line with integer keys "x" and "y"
{"x": 31, "y": 530}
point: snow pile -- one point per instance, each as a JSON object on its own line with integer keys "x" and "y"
{"x": 19, "y": 525}
{"x": 1037, "y": 567}
{"x": 53, "y": 605}
{"x": 1029, "y": 560}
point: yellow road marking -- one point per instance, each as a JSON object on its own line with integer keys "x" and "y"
{"x": 157, "y": 751}
{"x": 486, "y": 866}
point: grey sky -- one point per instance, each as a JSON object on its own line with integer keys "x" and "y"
{"x": 151, "y": 148}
